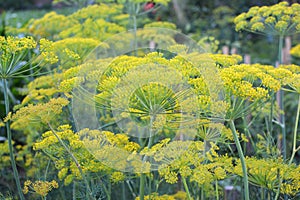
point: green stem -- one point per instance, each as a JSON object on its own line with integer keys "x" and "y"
{"x": 282, "y": 124}
{"x": 123, "y": 191}
{"x": 150, "y": 187}
{"x": 271, "y": 114}
{"x": 262, "y": 193}
{"x": 247, "y": 132}
{"x": 74, "y": 159}
{"x": 143, "y": 176}
{"x": 109, "y": 191}
{"x": 280, "y": 101}
{"x": 217, "y": 190}
{"x": 142, "y": 186}
{"x": 10, "y": 145}
{"x": 280, "y": 47}
{"x": 74, "y": 191}
{"x": 186, "y": 188}
{"x": 295, "y": 133}
{"x": 202, "y": 192}
{"x": 242, "y": 158}
{"x": 133, "y": 11}
{"x": 279, "y": 181}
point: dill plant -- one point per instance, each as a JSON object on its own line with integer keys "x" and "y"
{"x": 15, "y": 63}
{"x": 279, "y": 20}
{"x": 115, "y": 87}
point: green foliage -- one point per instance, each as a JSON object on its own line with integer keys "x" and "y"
{"x": 110, "y": 162}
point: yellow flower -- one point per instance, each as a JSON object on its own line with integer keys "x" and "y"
{"x": 39, "y": 187}
{"x": 295, "y": 51}
{"x": 258, "y": 26}
{"x": 117, "y": 177}
{"x": 275, "y": 19}
{"x": 43, "y": 113}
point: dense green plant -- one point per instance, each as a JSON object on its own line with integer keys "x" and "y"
{"x": 225, "y": 109}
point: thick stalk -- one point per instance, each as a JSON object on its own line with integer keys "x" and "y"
{"x": 123, "y": 191}
{"x": 133, "y": 11}
{"x": 202, "y": 195}
{"x": 89, "y": 196}
{"x": 186, "y": 188}
{"x": 280, "y": 102}
{"x": 217, "y": 190}
{"x": 10, "y": 145}
{"x": 262, "y": 193}
{"x": 280, "y": 47}
{"x": 271, "y": 113}
{"x": 150, "y": 188}
{"x": 143, "y": 176}
{"x": 295, "y": 133}
{"x": 142, "y": 186}
{"x": 242, "y": 158}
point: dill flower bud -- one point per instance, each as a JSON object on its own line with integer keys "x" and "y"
{"x": 279, "y": 19}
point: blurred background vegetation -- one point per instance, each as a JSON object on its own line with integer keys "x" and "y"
{"x": 209, "y": 20}
{"x": 195, "y": 18}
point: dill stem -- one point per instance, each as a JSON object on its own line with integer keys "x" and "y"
{"x": 186, "y": 188}
{"x": 295, "y": 133}
{"x": 242, "y": 158}
{"x": 10, "y": 145}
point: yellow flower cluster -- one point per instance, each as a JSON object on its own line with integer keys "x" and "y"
{"x": 81, "y": 144}
{"x": 209, "y": 44}
{"x": 91, "y": 28}
{"x": 278, "y": 19}
{"x": 39, "y": 113}
{"x": 4, "y": 153}
{"x": 178, "y": 157}
{"x": 14, "y": 51}
{"x": 216, "y": 132}
{"x": 180, "y": 195}
{"x": 116, "y": 177}
{"x": 94, "y": 21}
{"x": 41, "y": 89}
{"x": 271, "y": 174}
{"x": 14, "y": 45}
{"x": 39, "y": 187}
{"x": 160, "y": 24}
{"x": 50, "y": 25}
{"x": 53, "y": 148}
{"x": 226, "y": 60}
{"x": 239, "y": 80}
{"x": 95, "y": 11}
{"x": 72, "y": 51}
{"x": 145, "y": 1}
{"x": 48, "y": 51}
{"x": 291, "y": 77}
{"x": 295, "y": 51}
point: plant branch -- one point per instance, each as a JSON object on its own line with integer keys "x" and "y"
{"x": 242, "y": 158}
{"x": 295, "y": 133}
{"x": 10, "y": 145}
{"x": 74, "y": 159}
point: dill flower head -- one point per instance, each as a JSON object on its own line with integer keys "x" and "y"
{"x": 36, "y": 114}
{"x": 14, "y": 56}
{"x": 50, "y": 25}
{"x": 272, "y": 174}
{"x": 117, "y": 177}
{"x": 254, "y": 81}
{"x": 279, "y": 19}
{"x": 39, "y": 187}
{"x": 295, "y": 51}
